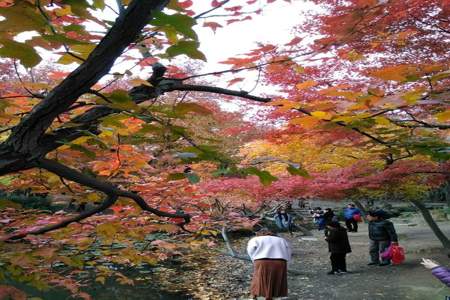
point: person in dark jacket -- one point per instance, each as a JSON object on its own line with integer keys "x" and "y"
{"x": 338, "y": 246}
{"x": 381, "y": 234}
{"x": 440, "y": 272}
{"x": 349, "y": 214}
{"x": 329, "y": 216}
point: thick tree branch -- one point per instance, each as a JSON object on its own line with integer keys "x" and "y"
{"x": 25, "y": 136}
{"x": 105, "y": 187}
{"x": 216, "y": 90}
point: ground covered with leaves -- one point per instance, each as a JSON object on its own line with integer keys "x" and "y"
{"x": 229, "y": 278}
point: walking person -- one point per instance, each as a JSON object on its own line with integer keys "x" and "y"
{"x": 350, "y": 220}
{"x": 270, "y": 255}
{"x": 381, "y": 234}
{"x": 338, "y": 246}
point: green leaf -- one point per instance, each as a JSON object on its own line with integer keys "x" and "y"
{"x": 121, "y": 100}
{"x": 184, "y": 108}
{"x": 192, "y": 177}
{"x": 6, "y": 180}
{"x": 99, "y": 4}
{"x": 83, "y": 150}
{"x": 296, "y": 171}
{"x": 79, "y": 7}
{"x": 61, "y": 39}
{"x": 23, "y": 52}
{"x": 176, "y": 176}
{"x": 180, "y": 22}
{"x": 22, "y": 16}
{"x": 114, "y": 121}
{"x": 264, "y": 177}
{"x": 204, "y": 152}
{"x": 189, "y": 48}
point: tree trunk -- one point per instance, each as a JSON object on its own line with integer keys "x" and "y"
{"x": 361, "y": 207}
{"x": 434, "y": 227}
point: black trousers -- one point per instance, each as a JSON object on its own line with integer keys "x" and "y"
{"x": 352, "y": 225}
{"x": 338, "y": 262}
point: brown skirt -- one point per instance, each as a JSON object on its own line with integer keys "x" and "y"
{"x": 269, "y": 278}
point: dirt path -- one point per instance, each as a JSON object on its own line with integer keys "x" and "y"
{"x": 407, "y": 281}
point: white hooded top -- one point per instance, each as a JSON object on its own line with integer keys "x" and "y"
{"x": 269, "y": 247}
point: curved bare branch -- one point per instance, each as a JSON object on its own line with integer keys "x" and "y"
{"x": 109, "y": 200}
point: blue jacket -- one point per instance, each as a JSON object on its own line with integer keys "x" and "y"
{"x": 350, "y": 212}
{"x": 283, "y": 222}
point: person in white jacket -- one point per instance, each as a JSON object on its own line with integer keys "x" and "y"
{"x": 270, "y": 255}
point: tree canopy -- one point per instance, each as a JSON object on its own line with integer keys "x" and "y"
{"x": 359, "y": 104}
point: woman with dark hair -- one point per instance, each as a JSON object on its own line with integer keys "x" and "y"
{"x": 270, "y": 255}
{"x": 283, "y": 219}
{"x": 338, "y": 245}
{"x": 329, "y": 216}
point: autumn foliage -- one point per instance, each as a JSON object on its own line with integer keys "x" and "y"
{"x": 146, "y": 163}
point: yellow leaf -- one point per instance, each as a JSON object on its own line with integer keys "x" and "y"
{"x": 443, "y": 116}
{"x": 354, "y": 56}
{"x": 81, "y": 140}
{"x": 100, "y": 279}
{"x": 308, "y": 122}
{"x": 138, "y": 82}
{"x": 305, "y": 84}
{"x": 65, "y": 10}
{"x": 94, "y": 197}
{"x": 345, "y": 119}
{"x": 413, "y": 96}
{"x": 323, "y": 115}
{"x": 284, "y": 104}
{"x": 298, "y": 69}
{"x": 381, "y": 121}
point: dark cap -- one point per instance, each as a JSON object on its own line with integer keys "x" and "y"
{"x": 334, "y": 224}
{"x": 374, "y": 213}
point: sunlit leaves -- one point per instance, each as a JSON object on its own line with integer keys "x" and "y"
{"x": 180, "y": 23}
{"x": 306, "y": 84}
{"x": 23, "y": 52}
{"x": 184, "y": 108}
{"x": 443, "y": 116}
{"x": 189, "y": 48}
{"x": 395, "y": 73}
{"x": 22, "y": 16}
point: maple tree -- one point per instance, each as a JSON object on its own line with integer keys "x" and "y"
{"x": 362, "y": 103}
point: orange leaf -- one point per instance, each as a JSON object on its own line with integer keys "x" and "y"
{"x": 306, "y": 84}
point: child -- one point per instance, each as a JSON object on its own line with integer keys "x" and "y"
{"x": 339, "y": 246}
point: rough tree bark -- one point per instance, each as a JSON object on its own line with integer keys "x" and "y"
{"x": 434, "y": 227}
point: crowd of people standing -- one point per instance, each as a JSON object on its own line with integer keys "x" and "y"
{"x": 271, "y": 253}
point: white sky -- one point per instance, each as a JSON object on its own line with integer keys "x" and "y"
{"x": 274, "y": 25}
